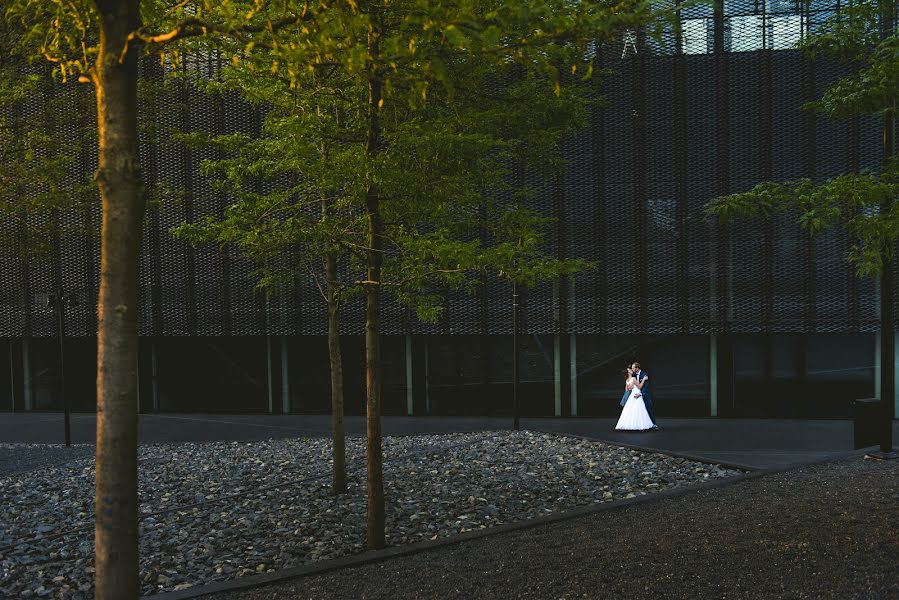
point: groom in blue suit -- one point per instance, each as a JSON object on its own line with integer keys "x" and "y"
{"x": 646, "y": 390}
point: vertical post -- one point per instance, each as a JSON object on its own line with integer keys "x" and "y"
{"x": 573, "y": 367}
{"x": 410, "y": 396}
{"x": 713, "y": 375}
{"x": 268, "y": 366}
{"x": 723, "y": 277}
{"x": 515, "y": 424}
{"x": 598, "y": 202}
{"x": 560, "y": 326}
{"x": 137, "y": 378}
{"x": 269, "y": 381}
{"x": 285, "y": 377}
{"x": 154, "y": 374}
{"x": 26, "y": 375}
{"x": 895, "y": 392}
{"x": 877, "y": 342}
{"x": 681, "y": 177}
{"x": 12, "y": 380}
{"x": 641, "y": 172}
{"x": 427, "y": 380}
{"x": 60, "y": 304}
{"x": 557, "y": 374}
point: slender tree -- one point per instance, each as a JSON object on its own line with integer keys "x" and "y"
{"x": 100, "y": 41}
{"x": 112, "y": 68}
{"x": 404, "y": 126}
{"x": 297, "y": 221}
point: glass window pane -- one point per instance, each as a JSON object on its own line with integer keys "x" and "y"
{"x": 785, "y": 356}
{"x": 696, "y": 36}
{"x": 741, "y": 7}
{"x": 786, "y": 31}
{"x": 782, "y": 6}
{"x": 840, "y": 357}
{"x": 745, "y": 33}
{"x": 749, "y": 357}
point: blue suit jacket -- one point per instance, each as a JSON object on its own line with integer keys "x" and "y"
{"x": 647, "y": 387}
{"x": 646, "y": 391}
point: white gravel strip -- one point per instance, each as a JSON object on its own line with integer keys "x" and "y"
{"x": 217, "y": 511}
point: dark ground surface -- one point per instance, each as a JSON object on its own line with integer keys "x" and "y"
{"x": 821, "y": 531}
{"x": 825, "y": 531}
{"x": 762, "y": 443}
{"x": 23, "y": 459}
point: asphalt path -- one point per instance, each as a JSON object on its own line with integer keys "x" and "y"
{"x": 759, "y": 443}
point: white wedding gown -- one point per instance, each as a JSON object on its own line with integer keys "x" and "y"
{"x": 634, "y": 416}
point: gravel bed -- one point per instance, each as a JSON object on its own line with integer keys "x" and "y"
{"x": 218, "y": 511}
{"x": 829, "y": 531}
{"x": 21, "y": 458}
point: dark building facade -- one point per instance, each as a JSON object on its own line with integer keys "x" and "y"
{"x": 754, "y": 320}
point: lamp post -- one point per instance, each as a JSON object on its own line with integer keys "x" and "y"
{"x": 515, "y": 354}
{"x": 59, "y": 302}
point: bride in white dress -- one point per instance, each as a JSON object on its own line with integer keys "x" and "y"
{"x": 634, "y": 416}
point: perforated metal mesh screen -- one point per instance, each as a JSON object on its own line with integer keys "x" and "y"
{"x": 713, "y": 112}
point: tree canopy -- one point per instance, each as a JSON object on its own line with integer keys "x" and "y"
{"x": 860, "y": 203}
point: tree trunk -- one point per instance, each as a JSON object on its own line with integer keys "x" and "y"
{"x": 118, "y": 177}
{"x": 338, "y": 481}
{"x": 373, "y": 376}
{"x": 887, "y": 317}
{"x": 373, "y": 312}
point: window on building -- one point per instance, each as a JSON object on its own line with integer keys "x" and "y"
{"x": 697, "y": 35}
{"x": 744, "y": 33}
{"x": 784, "y": 31}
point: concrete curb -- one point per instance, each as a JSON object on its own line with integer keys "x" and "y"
{"x": 375, "y": 556}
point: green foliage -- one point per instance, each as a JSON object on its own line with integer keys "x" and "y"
{"x": 859, "y": 203}
{"x": 870, "y": 90}
{"x": 853, "y": 35}
{"x": 849, "y": 35}
{"x": 34, "y": 160}
{"x": 66, "y": 32}
{"x": 445, "y": 145}
{"x": 852, "y": 202}
{"x": 473, "y": 95}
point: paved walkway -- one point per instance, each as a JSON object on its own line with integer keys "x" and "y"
{"x": 761, "y": 443}
{"x": 827, "y": 531}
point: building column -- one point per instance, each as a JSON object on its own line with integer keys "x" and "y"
{"x": 427, "y": 380}
{"x": 285, "y": 377}
{"x": 877, "y": 365}
{"x": 573, "y": 373}
{"x": 557, "y": 374}
{"x": 26, "y": 375}
{"x": 895, "y": 370}
{"x": 268, "y": 374}
{"x": 154, "y": 374}
{"x": 136, "y": 377}
{"x": 410, "y": 396}
{"x": 12, "y": 379}
{"x": 713, "y": 375}
{"x": 878, "y": 340}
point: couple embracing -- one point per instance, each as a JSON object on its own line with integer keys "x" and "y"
{"x": 637, "y": 402}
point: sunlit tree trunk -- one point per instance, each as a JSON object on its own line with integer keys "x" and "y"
{"x": 119, "y": 180}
